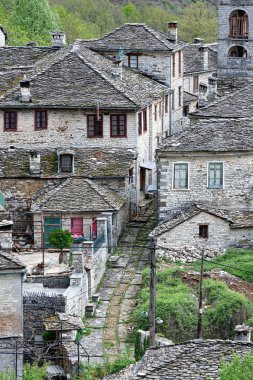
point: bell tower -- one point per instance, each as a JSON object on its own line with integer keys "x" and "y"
{"x": 235, "y": 39}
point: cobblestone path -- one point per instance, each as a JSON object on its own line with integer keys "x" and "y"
{"x": 121, "y": 282}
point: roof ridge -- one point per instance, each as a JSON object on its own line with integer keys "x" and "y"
{"x": 103, "y": 76}
{"x": 44, "y": 198}
{"x": 13, "y": 259}
{"x": 96, "y": 188}
{"x": 35, "y": 72}
{"x": 153, "y": 31}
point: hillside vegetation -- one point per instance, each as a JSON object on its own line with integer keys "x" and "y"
{"x": 32, "y": 20}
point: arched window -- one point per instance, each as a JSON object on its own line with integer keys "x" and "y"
{"x": 237, "y": 52}
{"x": 238, "y": 24}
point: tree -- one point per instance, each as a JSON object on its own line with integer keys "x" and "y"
{"x": 199, "y": 20}
{"x": 131, "y": 13}
{"x": 60, "y": 239}
{"x": 36, "y": 18}
{"x": 238, "y": 369}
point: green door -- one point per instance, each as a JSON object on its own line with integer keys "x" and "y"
{"x": 49, "y": 225}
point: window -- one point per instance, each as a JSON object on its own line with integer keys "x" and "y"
{"x": 173, "y": 65}
{"x": 203, "y": 231}
{"x": 119, "y": 125}
{"x": 238, "y": 24}
{"x": 94, "y": 228}
{"x": 155, "y": 112}
{"x": 131, "y": 175}
{"x": 180, "y": 178}
{"x": 186, "y": 111}
{"x": 179, "y": 96}
{"x": 195, "y": 83}
{"x": 94, "y": 126}
{"x": 133, "y": 61}
{"x": 237, "y": 52}
{"x": 145, "y": 122}
{"x": 66, "y": 163}
{"x": 77, "y": 227}
{"x": 10, "y": 120}
{"x": 139, "y": 123}
{"x": 160, "y": 109}
{"x": 173, "y": 101}
{"x": 179, "y": 62}
{"x": 215, "y": 175}
{"x": 166, "y": 103}
{"x": 40, "y": 120}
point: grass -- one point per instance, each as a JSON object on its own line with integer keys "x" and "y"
{"x": 238, "y": 262}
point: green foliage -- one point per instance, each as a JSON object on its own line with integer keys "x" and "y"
{"x": 49, "y": 335}
{"x": 238, "y": 369}
{"x": 139, "y": 348}
{"x": 35, "y": 19}
{"x": 177, "y": 305}
{"x": 199, "y": 20}
{"x": 34, "y": 372}
{"x": 233, "y": 258}
{"x": 131, "y": 13}
{"x": 60, "y": 238}
{"x": 98, "y": 371}
{"x": 6, "y": 375}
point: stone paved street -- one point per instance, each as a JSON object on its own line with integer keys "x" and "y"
{"x": 121, "y": 283}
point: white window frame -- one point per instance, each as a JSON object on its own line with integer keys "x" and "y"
{"x": 223, "y": 172}
{"x": 173, "y": 174}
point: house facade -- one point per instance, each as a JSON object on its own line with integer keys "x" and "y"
{"x": 156, "y": 54}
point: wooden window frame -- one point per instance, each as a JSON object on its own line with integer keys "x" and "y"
{"x": 140, "y": 123}
{"x": 118, "y": 136}
{"x": 203, "y": 231}
{"x": 180, "y": 96}
{"x": 166, "y": 105}
{"x": 173, "y": 101}
{"x": 180, "y": 62}
{"x": 137, "y": 61}
{"x": 15, "y": 121}
{"x": 155, "y": 112}
{"x": 174, "y": 65}
{"x": 195, "y": 83}
{"x": 72, "y": 161}
{"x": 72, "y": 219}
{"x": 145, "y": 120}
{"x": 101, "y": 127}
{"x": 221, "y": 185}
{"x": 177, "y": 164}
{"x": 36, "y": 127}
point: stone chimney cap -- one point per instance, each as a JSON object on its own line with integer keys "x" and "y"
{"x": 198, "y": 40}
{"x": 172, "y": 24}
{"x": 242, "y": 328}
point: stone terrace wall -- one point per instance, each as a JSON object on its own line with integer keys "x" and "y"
{"x": 53, "y": 281}
{"x": 38, "y": 306}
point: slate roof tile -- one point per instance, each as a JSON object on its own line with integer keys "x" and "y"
{"x": 8, "y": 261}
{"x": 78, "y": 195}
{"x": 192, "y": 60}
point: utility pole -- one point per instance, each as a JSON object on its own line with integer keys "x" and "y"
{"x": 200, "y": 315}
{"x": 152, "y": 321}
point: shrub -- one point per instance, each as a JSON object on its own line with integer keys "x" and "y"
{"x": 238, "y": 369}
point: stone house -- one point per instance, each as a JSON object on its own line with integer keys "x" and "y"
{"x": 82, "y": 207}
{"x": 11, "y": 315}
{"x": 202, "y": 229}
{"x": 200, "y": 70}
{"x": 156, "y": 54}
{"x": 208, "y": 163}
{"x": 93, "y": 103}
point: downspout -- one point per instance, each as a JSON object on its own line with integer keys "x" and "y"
{"x": 170, "y": 97}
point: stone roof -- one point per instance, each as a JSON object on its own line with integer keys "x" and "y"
{"x": 89, "y": 162}
{"x": 80, "y": 78}
{"x": 10, "y": 262}
{"x": 211, "y": 135}
{"x": 237, "y": 104}
{"x": 192, "y": 61}
{"x": 235, "y": 218}
{"x": 134, "y": 38}
{"x": 193, "y": 360}
{"x": 63, "y": 322}
{"x": 78, "y": 195}
{"x": 188, "y": 97}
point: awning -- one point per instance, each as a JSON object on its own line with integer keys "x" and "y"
{"x": 149, "y": 165}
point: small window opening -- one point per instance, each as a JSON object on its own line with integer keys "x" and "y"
{"x": 237, "y": 52}
{"x": 66, "y": 163}
{"x": 203, "y": 231}
{"x": 238, "y": 24}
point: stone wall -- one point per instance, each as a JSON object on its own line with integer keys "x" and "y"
{"x": 183, "y": 242}
{"x": 50, "y": 281}
{"x": 236, "y": 192}
{"x": 11, "y": 304}
{"x": 234, "y": 66}
{"x": 38, "y": 306}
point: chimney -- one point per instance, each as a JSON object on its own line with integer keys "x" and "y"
{"x": 35, "y": 163}
{"x": 202, "y": 95}
{"x": 242, "y": 333}
{"x": 198, "y": 40}
{"x": 3, "y": 37}
{"x": 203, "y": 55}
{"x": 58, "y": 39}
{"x": 172, "y": 31}
{"x": 117, "y": 69}
{"x": 25, "y": 89}
{"x": 212, "y": 89}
